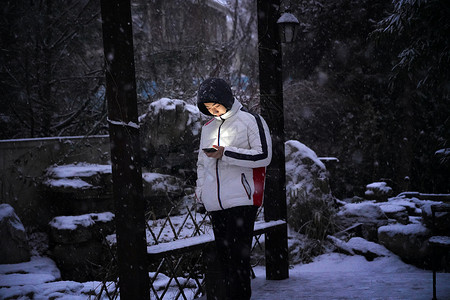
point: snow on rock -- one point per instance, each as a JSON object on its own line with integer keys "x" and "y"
{"x": 341, "y": 245}
{"x": 307, "y": 187}
{"x": 379, "y": 191}
{"x": 7, "y": 214}
{"x": 171, "y": 104}
{"x": 14, "y": 246}
{"x": 68, "y": 183}
{"x": 412, "y": 207}
{"x": 79, "y": 176}
{"x": 397, "y": 212}
{"x": 303, "y": 167}
{"x": 162, "y": 192}
{"x": 165, "y": 104}
{"x": 72, "y": 222}
{"x": 170, "y": 136}
{"x": 163, "y": 183}
{"x": 78, "y": 188}
{"x": 78, "y": 170}
{"x": 76, "y": 244}
{"x": 366, "y": 210}
{"x": 392, "y": 208}
{"x": 382, "y": 186}
{"x": 408, "y": 229}
{"x": 409, "y": 241}
{"x": 368, "y": 214}
{"x": 359, "y": 244}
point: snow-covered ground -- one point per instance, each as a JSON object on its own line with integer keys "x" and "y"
{"x": 339, "y": 276}
{"x": 329, "y": 276}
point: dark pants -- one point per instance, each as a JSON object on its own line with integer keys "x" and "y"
{"x": 233, "y": 232}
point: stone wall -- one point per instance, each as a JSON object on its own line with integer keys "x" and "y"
{"x": 22, "y": 166}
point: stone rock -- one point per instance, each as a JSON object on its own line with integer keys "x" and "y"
{"x": 81, "y": 228}
{"x": 363, "y": 211}
{"x": 396, "y": 212}
{"x": 368, "y": 214}
{"x": 14, "y": 246}
{"x": 378, "y": 191}
{"x": 78, "y": 246}
{"x": 410, "y": 241}
{"x": 162, "y": 192}
{"x": 402, "y": 225}
{"x": 304, "y": 171}
{"x": 307, "y": 188}
{"x": 412, "y": 208}
{"x": 441, "y": 224}
{"x": 82, "y": 262}
{"x": 78, "y": 188}
{"x": 92, "y": 174}
{"x": 170, "y": 136}
{"x": 82, "y": 188}
{"x": 360, "y": 246}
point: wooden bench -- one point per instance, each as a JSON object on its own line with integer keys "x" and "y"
{"x": 438, "y": 241}
{"x": 201, "y": 242}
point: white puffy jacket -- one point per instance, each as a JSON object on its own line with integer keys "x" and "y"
{"x": 237, "y": 178}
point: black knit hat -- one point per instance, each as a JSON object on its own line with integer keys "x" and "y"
{"x": 214, "y": 90}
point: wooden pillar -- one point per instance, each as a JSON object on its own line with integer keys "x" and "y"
{"x": 125, "y": 149}
{"x": 271, "y": 97}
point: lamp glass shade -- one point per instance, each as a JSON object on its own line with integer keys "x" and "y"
{"x": 288, "y": 27}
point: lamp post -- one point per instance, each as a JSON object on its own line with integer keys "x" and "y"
{"x": 125, "y": 149}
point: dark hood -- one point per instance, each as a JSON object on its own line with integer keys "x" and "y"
{"x": 214, "y": 90}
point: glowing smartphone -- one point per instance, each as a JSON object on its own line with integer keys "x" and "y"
{"x": 209, "y": 150}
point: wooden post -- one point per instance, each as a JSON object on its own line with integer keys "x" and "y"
{"x": 125, "y": 149}
{"x": 271, "y": 97}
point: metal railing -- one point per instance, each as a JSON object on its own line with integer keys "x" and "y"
{"x": 177, "y": 270}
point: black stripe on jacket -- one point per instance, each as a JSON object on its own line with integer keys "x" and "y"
{"x": 263, "y": 139}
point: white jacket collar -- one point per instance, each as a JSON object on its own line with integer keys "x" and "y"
{"x": 235, "y": 108}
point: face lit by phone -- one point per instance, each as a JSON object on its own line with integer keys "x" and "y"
{"x": 215, "y": 109}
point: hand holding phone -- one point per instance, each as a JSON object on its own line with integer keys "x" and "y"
{"x": 209, "y": 150}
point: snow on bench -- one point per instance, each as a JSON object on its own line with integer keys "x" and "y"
{"x": 262, "y": 227}
{"x": 198, "y": 242}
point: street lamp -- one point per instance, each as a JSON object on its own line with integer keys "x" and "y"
{"x": 288, "y": 27}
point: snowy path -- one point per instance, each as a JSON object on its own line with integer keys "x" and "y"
{"x": 337, "y": 276}
{"x": 346, "y": 285}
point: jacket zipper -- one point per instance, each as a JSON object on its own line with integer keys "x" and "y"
{"x": 246, "y": 186}
{"x": 217, "y": 168}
